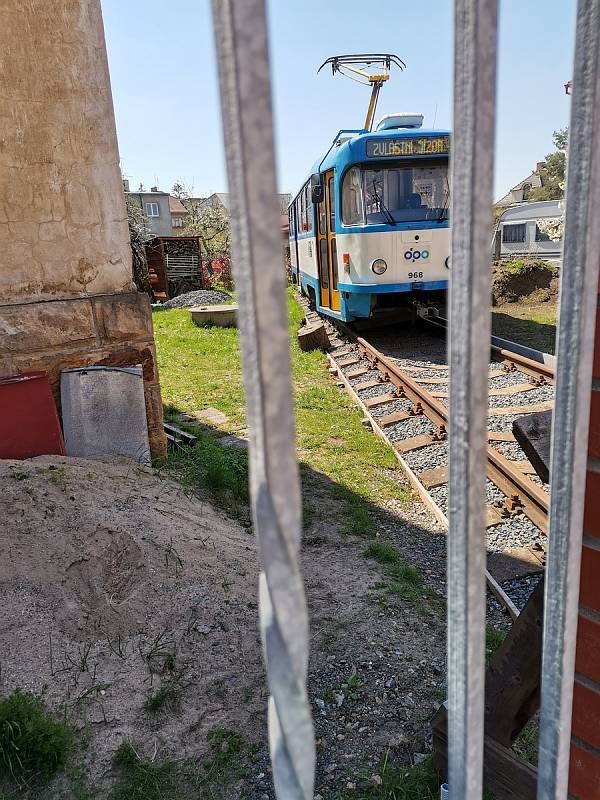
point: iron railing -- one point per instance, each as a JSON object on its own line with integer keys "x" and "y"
{"x": 242, "y": 51}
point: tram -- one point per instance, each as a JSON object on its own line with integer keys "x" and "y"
{"x": 369, "y": 229}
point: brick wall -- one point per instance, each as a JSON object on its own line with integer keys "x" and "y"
{"x": 584, "y": 778}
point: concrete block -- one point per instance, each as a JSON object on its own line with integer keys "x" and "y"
{"x": 41, "y": 326}
{"x": 104, "y": 412}
{"x": 223, "y": 316}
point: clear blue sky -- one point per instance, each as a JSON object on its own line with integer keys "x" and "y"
{"x": 164, "y": 81}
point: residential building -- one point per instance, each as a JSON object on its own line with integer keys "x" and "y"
{"x": 521, "y": 192}
{"x": 221, "y": 199}
{"x": 518, "y": 234}
{"x": 166, "y": 214}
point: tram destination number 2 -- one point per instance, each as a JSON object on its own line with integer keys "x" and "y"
{"x": 422, "y": 146}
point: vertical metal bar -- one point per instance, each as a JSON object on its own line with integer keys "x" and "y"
{"x": 242, "y": 52}
{"x": 469, "y": 338}
{"x": 578, "y": 298}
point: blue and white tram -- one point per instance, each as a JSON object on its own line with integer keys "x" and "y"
{"x": 369, "y": 230}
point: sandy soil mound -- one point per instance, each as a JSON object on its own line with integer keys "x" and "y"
{"x": 530, "y": 280}
{"x": 115, "y": 583}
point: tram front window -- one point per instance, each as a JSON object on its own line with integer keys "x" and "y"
{"x": 396, "y": 193}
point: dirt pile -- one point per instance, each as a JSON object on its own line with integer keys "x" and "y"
{"x": 524, "y": 280}
{"x": 116, "y": 584}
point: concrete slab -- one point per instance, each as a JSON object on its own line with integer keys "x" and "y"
{"x": 103, "y": 412}
{"x": 222, "y": 315}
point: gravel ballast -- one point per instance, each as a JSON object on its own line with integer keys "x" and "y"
{"x": 201, "y": 297}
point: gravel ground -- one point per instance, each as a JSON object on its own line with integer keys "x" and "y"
{"x": 401, "y": 404}
{"x": 201, "y": 297}
{"x": 440, "y": 495}
{"x": 537, "y": 395}
{"x": 518, "y": 590}
{"x": 374, "y": 391}
{"x": 436, "y": 455}
{"x": 510, "y": 450}
{"x": 362, "y": 364}
{"x": 408, "y": 428}
{"x": 518, "y": 531}
{"x": 508, "y": 379}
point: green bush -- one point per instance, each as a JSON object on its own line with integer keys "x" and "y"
{"x": 32, "y": 743}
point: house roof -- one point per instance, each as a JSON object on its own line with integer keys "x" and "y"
{"x": 533, "y": 179}
{"x": 176, "y": 206}
{"x": 223, "y": 199}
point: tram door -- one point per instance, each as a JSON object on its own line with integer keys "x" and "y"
{"x": 328, "y": 266}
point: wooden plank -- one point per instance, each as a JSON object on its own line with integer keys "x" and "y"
{"x": 432, "y": 381}
{"x": 500, "y": 436}
{"x": 493, "y": 517}
{"x": 524, "y": 466}
{"x": 546, "y": 405}
{"x": 533, "y": 433}
{"x": 367, "y": 385}
{"x": 347, "y": 362}
{"x": 434, "y": 477}
{"x": 414, "y": 443}
{"x": 432, "y": 367}
{"x": 501, "y": 596}
{"x": 392, "y": 419}
{"x": 515, "y": 563}
{"x": 439, "y": 394}
{"x": 380, "y": 400}
{"x": 512, "y": 681}
{"x": 505, "y": 775}
{"x": 516, "y": 388}
{"x": 356, "y": 373}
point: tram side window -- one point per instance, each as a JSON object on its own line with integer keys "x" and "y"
{"x": 307, "y": 202}
{"x": 352, "y": 198}
{"x": 300, "y": 214}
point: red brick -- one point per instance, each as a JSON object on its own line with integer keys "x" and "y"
{"x": 594, "y": 436}
{"x": 591, "y": 512}
{"x": 586, "y": 714}
{"x": 587, "y": 660}
{"x": 596, "y": 368}
{"x": 584, "y": 774}
{"x": 589, "y": 592}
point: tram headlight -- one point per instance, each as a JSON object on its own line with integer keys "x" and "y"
{"x": 378, "y": 266}
{"x": 447, "y": 262}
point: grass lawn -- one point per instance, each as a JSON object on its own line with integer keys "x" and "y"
{"x": 200, "y": 368}
{"x": 533, "y": 325}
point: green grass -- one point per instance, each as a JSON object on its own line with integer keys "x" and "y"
{"x": 403, "y": 579}
{"x": 493, "y": 640}
{"x": 341, "y": 461}
{"x": 167, "y": 698}
{"x": 526, "y": 743}
{"x": 228, "y": 762}
{"x": 398, "y": 783}
{"x": 32, "y": 743}
{"x": 139, "y": 779}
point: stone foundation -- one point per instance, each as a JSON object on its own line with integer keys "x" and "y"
{"x": 113, "y": 330}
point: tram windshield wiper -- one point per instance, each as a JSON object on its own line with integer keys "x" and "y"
{"x": 444, "y": 209}
{"x": 382, "y": 205}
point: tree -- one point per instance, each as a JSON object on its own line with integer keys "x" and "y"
{"x": 139, "y": 234}
{"x": 180, "y": 191}
{"x": 553, "y": 173}
{"x": 211, "y": 224}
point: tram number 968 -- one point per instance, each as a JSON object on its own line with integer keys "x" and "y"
{"x": 415, "y": 275}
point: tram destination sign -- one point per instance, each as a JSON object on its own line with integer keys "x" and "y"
{"x": 418, "y": 146}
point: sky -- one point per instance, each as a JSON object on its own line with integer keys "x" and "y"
{"x": 164, "y": 82}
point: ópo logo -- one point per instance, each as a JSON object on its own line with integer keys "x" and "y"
{"x": 415, "y": 255}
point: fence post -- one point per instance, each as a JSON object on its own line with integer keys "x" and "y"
{"x": 242, "y": 53}
{"x": 578, "y": 297}
{"x": 469, "y": 353}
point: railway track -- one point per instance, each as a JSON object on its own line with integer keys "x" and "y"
{"x": 404, "y": 396}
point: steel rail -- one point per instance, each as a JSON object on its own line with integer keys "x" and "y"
{"x": 532, "y": 500}
{"x": 537, "y": 369}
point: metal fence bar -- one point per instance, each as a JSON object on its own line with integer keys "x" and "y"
{"x": 469, "y": 337}
{"x": 578, "y": 296}
{"x": 242, "y": 52}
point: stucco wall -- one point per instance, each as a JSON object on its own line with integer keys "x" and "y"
{"x": 63, "y": 223}
{"x": 67, "y": 297}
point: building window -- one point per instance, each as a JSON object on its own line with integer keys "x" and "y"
{"x": 513, "y": 234}
{"x": 152, "y": 209}
{"x": 526, "y": 189}
{"x": 540, "y": 236}
{"x": 177, "y": 222}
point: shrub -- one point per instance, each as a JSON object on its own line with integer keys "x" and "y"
{"x": 32, "y": 743}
